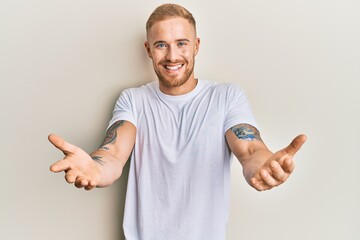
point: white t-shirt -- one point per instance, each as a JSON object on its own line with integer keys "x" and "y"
{"x": 179, "y": 177}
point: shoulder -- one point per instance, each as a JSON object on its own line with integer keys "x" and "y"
{"x": 224, "y": 89}
{"x": 220, "y": 86}
{"x": 231, "y": 87}
{"x": 138, "y": 91}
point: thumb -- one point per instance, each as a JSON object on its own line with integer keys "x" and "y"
{"x": 295, "y": 144}
{"x": 61, "y": 144}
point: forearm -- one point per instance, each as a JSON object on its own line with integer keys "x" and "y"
{"x": 114, "y": 151}
{"x": 245, "y": 142}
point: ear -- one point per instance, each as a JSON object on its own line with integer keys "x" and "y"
{"x": 197, "y": 45}
{"x": 147, "y": 47}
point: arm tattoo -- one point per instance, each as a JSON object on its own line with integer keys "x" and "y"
{"x": 246, "y": 132}
{"x": 111, "y": 135}
{"x": 98, "y": 160}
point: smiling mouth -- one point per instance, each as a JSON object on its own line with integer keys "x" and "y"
{"x": 173, "y": 67}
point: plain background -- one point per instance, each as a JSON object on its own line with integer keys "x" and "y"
{"x": 64, "y": 63}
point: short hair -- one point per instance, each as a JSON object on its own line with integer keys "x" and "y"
{"x": 169, "y": 10}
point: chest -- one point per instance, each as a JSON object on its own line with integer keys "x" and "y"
{"x": 181, "y": 123}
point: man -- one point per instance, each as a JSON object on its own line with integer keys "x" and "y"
{"x": 180, "y": 132}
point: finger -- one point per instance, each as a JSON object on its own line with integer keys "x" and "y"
{"x": 81, "y": 182}
{"x": 288, "y": 165}
{"x": 295, "y": 144}
{"x": 268, "y": 179}
{"x": 92, "y": 183}
{"x": 62, "y": 165}
{"x": 90, "y": 186}
{"x": 71, "y": 176}
{"x": 259, "y": 184}
{"x": 278, "y": 172}
{"x": 61, "y": 144}
{"x": 255, "y": 183}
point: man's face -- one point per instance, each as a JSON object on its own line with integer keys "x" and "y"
{"x": 172, "y": 45}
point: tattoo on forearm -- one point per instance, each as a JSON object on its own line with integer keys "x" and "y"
{"x": 98, "y": 160}
{"x": 246, "y": 132}
{"x": 111, "y": 135}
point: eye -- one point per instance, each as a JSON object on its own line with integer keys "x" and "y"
{"x": 182, "y": 43}
{"x": 160, "y": 45}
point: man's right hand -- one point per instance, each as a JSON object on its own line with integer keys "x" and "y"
{"x": 78, "y": 166}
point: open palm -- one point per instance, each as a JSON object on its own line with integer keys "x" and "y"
{"x": 278, "y": 167}
{"x": 78, "y": 166}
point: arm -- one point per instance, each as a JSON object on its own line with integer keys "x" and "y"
{"x": 262, "y": 169}
{"x": 102, "y": 167}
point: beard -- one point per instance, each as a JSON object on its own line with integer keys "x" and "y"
{"x": 176, "y": 81}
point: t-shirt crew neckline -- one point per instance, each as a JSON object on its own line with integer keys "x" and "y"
{"x": 181, "y": 97}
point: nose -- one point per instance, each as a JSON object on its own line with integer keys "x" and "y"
{"x": 171, "y": 54}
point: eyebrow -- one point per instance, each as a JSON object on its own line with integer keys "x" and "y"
{"x": 177, "y": 40}
{"x": 183, "y": 40}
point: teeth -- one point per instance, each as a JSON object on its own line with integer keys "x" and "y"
{"x": 173, "y": 67}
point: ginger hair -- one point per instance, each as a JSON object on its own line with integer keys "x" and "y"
{"x": 169, "y": 10}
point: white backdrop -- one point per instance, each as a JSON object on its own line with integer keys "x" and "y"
{"x": 64, "y": 63}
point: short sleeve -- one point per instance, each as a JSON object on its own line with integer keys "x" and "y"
{"x": 124, "y": 109}
{"x": 238, "y": 110}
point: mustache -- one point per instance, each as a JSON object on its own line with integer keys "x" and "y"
{"x": 166, "y": 62}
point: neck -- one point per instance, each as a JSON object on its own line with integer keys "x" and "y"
{"x": 188, "y": 86}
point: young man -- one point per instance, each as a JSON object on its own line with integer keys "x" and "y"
{"x": 180, "y": 132}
